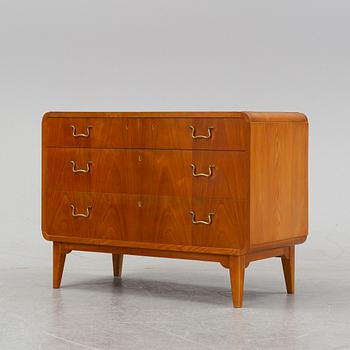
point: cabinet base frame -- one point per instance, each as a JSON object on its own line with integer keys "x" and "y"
{"x": 235, "y": 263}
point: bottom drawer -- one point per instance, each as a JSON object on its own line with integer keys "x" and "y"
{"x": 154, "y": 219}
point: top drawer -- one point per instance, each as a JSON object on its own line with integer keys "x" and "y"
{"x": 159, "y": 133}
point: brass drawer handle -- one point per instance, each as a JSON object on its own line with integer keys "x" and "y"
{"x": 80, "y": 215}
{"x": 210, "y": 173}
{"x": 194, "y": 221}
{"x": 201, "y": 136}
{"x": 75, "y": 170}
{"x": 74, "y": 131}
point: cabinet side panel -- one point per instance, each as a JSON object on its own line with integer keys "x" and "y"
{"x": 279, "y": 182}
{"x": 43, "y": 173}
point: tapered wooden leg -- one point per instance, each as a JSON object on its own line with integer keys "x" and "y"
{"x": 117, "y": 264}
{"x": 59, "y": 258}
{"x": 237, "y": 267}
{"x": 288, "y": 263}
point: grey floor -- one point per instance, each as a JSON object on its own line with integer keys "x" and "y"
{"x": 172, "y": 304}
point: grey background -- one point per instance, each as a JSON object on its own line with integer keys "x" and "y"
{"x": 173, "y": 55}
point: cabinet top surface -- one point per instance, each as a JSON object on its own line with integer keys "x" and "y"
{"x": 248, "y": 116}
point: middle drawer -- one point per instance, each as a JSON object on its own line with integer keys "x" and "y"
{"x": 214, "y": 174}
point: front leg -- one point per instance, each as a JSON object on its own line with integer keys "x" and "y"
{"x": 237, "y": 267}
{"x": 59, "y": 258}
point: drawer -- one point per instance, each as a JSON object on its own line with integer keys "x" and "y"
{"x": 209, "y": 174}
{"x": 160, "y": 133}
{"x": 164, "y": 220}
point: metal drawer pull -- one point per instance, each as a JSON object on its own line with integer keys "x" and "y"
{"x": 201, "y": 136}
{"x": 75, "y": 170}
{"x": 79, "y": 215}
{"x": 210, "y": 173}
{"x": 74, "y": 131}
{"x": 194, "y": 221}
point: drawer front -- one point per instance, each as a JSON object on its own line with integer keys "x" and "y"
{"x": 164, "y": 220}
{"x": 160, "y": 133}
{"x": 209, "y": 174}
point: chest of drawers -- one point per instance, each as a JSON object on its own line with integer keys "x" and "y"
{"x": 228, "y": 187}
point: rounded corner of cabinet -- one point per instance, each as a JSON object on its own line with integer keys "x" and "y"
{"x": 45, "y": 117}
{"x": 304, "y": 116}
{"x": 45, "y": 235}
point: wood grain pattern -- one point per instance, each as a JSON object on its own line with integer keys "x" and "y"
{"x": 159, "y": 133}
{"x": 141, "y": 189}
{"x": 138, "y": 218}
{"x": 279, "y": 181}
{"x": 153, "y": 172}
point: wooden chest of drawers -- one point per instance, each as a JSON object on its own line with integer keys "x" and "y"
{"x": 230, "y": 187}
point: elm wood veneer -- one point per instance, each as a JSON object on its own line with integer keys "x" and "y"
{"x": 229, "y": 187}
{"x": 142, "y": 218}
{"x": 164, "y": 172}
{"x": 154, "y": 133}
